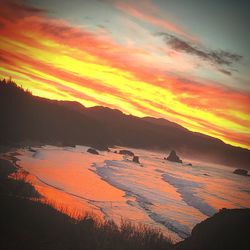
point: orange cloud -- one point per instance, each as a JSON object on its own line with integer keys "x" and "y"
{"x": 58, "y": 61}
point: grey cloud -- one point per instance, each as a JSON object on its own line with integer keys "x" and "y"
{"x": 225, "y": 72}
{"x": 215, "y": 57}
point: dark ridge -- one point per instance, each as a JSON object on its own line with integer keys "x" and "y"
{"x": 163, "y": 122}
{"x": 72, "y": 105}
{"x": 28, "y": 118}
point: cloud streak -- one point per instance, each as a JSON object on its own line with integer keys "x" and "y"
{"x": 215, "y": 57}
{"x": 152, "y": 16}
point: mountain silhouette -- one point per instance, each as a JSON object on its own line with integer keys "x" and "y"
{"x": 28, "y": 118}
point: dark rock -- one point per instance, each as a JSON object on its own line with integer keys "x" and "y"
{"x": 173, "y": 157}
{"x": 189, "y": 164}
{"x": 136, "y": 159}
{"x": 241, "y": 172}
{"x": 126, "y": 152}
{"x": 92, "y": 151}
{"x": 228, "y": 229}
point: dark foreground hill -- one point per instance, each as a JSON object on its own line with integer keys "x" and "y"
{"x": 228, "y": 229}
{"x": 28, "y": 118}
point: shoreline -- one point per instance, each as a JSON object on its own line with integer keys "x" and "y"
{"x": 44, "y": 188}
{"x": 49, "y": 172}
{"x": 61, "y": 216}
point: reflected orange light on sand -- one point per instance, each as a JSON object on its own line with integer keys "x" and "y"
{"x": 74, "y": 187}
{"x": 72, "y": 206}
{"x": 58, "y": 61}
{"x": 65, "y": 203}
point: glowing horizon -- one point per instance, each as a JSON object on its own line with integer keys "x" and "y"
{"x": 58, "y": 60}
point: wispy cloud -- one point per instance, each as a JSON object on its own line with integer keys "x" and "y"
{"x": 215, "y": 57}
{"x": 149, "y": 13}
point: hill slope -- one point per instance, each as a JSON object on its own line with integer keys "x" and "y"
{"x": 26, "y": 117}
{"x": 227, "y": 229}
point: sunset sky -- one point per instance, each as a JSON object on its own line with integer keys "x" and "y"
{"x": 185, "y": 61}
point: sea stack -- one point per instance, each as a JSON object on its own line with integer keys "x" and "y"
{"x": 136, "y": 159}
{"x": 173, "y": 157}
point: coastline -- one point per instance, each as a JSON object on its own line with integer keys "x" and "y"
{"x": 51, "y": 228}
{"x": 74, "y": 176}
{"x": 68, "y": 229}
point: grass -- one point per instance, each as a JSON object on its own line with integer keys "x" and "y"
{"x": 29, "y": 224}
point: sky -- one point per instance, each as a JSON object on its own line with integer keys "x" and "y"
{"x": 185, "y": 61}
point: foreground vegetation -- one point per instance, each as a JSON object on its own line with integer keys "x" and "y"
{"x": 29, "y": 224}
